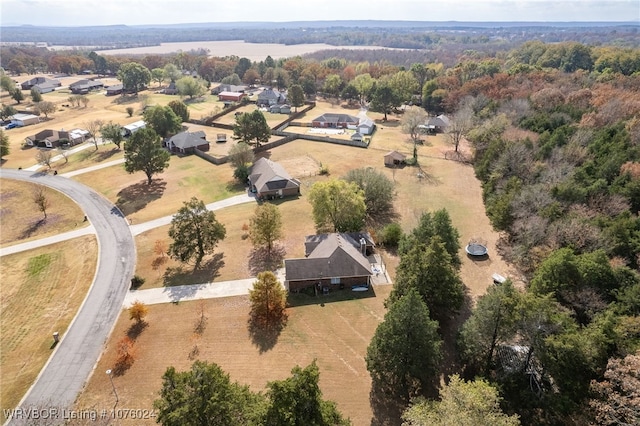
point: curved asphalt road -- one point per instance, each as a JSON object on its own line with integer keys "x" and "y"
{"x": 74, "y": 358}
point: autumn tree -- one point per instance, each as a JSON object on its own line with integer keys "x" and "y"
{"x": 137, "y": 311}
{"x": 195, "y": 232}
{"x": 265, "y": 227}
{"x": 268, "y": 301}
{"x": 616, "y": 398}
{"x": 297, "y": 400}
{"x": 459, "y": 126}
{"x": 405, "y": 351}
{"x": 251, "y": 128}
{"x": 378, "y": 191}
{"x": 112, "y": 132}
{"x": 125, "y": 355}
{"x": 4, "y": 144}
{"x": 461, "y": 404}
{"x": 144, "y": 152}
{"x": 41, "y": 199}
{"x": 338, "y": 206}
{"x": 162, "y": 120}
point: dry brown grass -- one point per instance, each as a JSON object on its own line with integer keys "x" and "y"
{"x": 21, "y": 220}
{"x": 335, "y": 333}
{"x": 41, "y": 293}
{"x": 185, "y": 177}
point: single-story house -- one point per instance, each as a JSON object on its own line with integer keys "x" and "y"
{"x": 84, "y": 86}
{"x": 229, "y": 88}
{"x": 171, "y": 89}
{"x": 25, "y": 119}
{"x": 51, "y": 138}
{"x": 437, "y": 124}
{"x": 231, "y": 96}
{"x": 270, "y": 97}
{"x": 115, "y": 89}
{"x": 187, "y": 143}
{"x": 27, "y": 85}
{"x": 280, "y": 109}
{"x": 131, "y": 128}
{"x": 394, "y": 158}
{"x": 366, "y": 126}
{"x": 45, "y": 87}
{"x": 333, "y": 120}
{"x": 271, "y": 180}
{"x": 332, "y": 261}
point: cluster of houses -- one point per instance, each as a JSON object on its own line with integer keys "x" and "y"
{"x": 55, "y": 138}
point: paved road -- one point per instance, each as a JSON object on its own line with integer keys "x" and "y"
{"x": 74, "y": 358}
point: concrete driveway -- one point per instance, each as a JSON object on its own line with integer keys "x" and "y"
{"x": 74, "y": 358}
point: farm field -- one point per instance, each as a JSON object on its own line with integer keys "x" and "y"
{"x": 251, "y": 51}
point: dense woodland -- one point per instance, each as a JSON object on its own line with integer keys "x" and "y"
{"x": 555, "y": 132}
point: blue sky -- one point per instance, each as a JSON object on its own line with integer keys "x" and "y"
{"x": 132, "y": 12}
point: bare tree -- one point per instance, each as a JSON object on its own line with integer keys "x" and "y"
{"x": 94, "y": 127}
{"x": 40, "y": 199}
{"x": 64, "y": 153}
{"x": 412, "y": 119}
{"x": 45, "y": 107}
{"x": 459, "y": 125}
{"x": 44, "y": 157}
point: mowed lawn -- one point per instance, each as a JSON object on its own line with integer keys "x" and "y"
{"x": 335, "y": 333}
{"x": 21, "y": 219}
{"x": 42, "y": 290}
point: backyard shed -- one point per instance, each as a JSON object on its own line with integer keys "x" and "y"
{"x": 394, "y": 158}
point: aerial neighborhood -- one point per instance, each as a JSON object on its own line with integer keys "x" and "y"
{"x": 441, "y": 228}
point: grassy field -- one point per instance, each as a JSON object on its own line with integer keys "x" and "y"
{"x": 21, "y": 220}
{"x": 185, "y": 177}
{"x": 335, "y": 333}
{"x": 41, "y": 293}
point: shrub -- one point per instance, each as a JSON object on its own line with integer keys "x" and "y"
{"x": 129, "y": 111}
{"x": 137, "y": 281}
{"x": 390, "y": 235}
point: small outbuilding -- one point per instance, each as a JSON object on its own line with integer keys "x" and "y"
{"x": 25, "y": 119}
{"x": 231, "y": 96}
{"x": 130, "y": 129}
{"x": 394, "y": 158}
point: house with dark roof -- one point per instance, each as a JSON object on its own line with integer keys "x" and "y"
{"x": 438, "y": 124}
{"x": 271, "y": 180}
{"x": 270, "y": 97}
{"x": 84, "y": 86}
{"x": 332, "y": 261}
{"x": 53, "y": 138}
{"x": 115, "y": 89}
{"x": 187, "y": 143}
{"x": 42, "y": 81}
{"x": 171, "y": 89}
{"x": 336, "y": 121}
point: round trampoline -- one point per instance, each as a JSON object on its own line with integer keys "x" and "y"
{"x": 476, "y": 248}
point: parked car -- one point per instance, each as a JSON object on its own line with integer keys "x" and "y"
{"x": 11, "y": 126}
